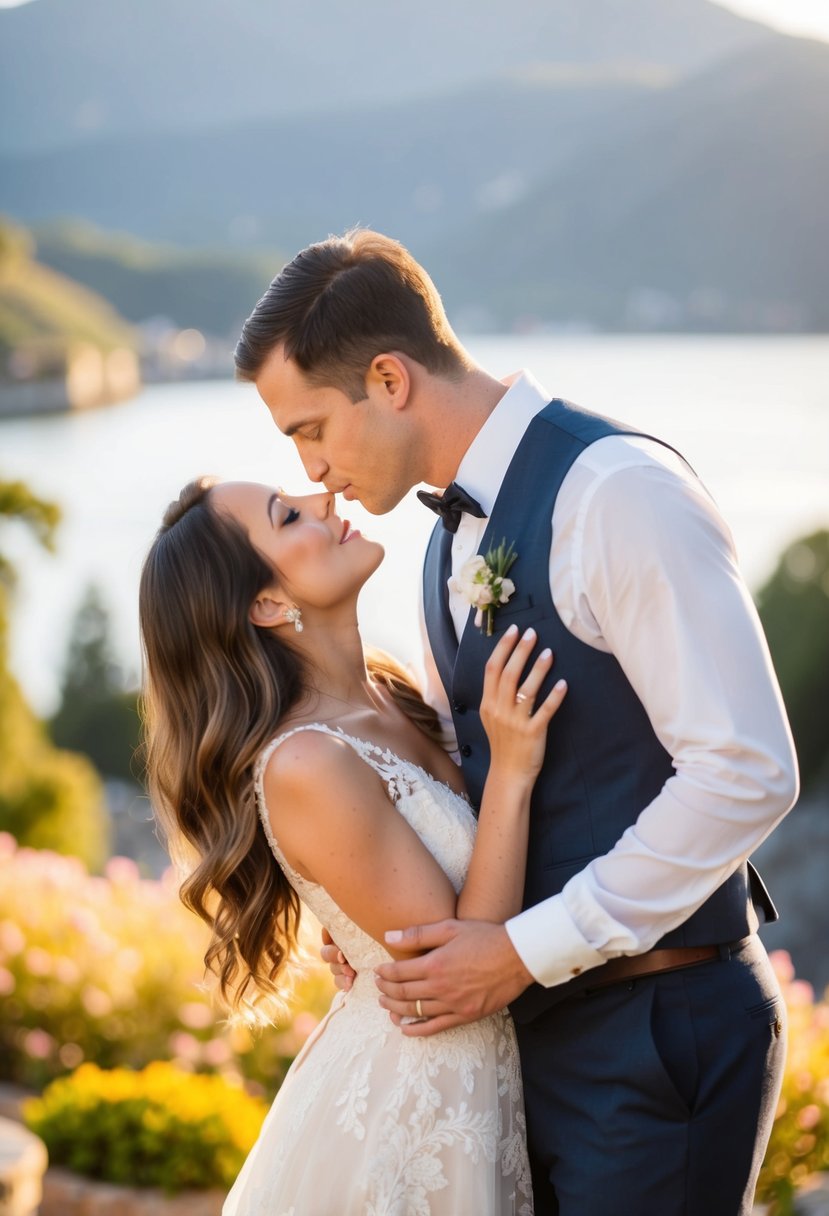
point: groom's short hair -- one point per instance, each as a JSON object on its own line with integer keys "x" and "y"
{"x": 343, "y": 301}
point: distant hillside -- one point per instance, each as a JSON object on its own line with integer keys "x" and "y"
{"x": 42, "y": 313}
{"x": 695, "y": 205}
{"x": 206, "y": 290}
{"x": 707, "y": 211}
{"x": 98, "y": 67}
{"x": 415, "y": 169}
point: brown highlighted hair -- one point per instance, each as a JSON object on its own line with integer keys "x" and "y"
{"x": 216, "y": 688}
{"x": 343, "y": 301}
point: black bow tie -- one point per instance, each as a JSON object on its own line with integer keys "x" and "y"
{"x": 451, "y": 505}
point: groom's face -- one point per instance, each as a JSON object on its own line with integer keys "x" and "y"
{"x": 363, "y": 450}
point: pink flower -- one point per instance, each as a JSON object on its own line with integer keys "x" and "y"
{"x": 305, "y": 1024}
{"x": 6, "y": 981}
{"x": 185, "y": 1046}
{"x": 122, "y": 870}
{"x": 66, "y": 970}
{"x": 808, "y": 1117}
{"x": 96, "y": 1002}
{"x": 800, "y": 992}
{"x": 215, "y": 1052}
{"x": 12, "y": 940}
{"x": 83, "y": 921}
{"x": 195, "y": 1015}
{"x": 38, "y": 1044}
{"x": 783, "y": 966}
{"x": 37, "y": 961}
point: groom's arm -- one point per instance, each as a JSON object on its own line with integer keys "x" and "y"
{"x": 655, "y": 582}
{"x": 659, "y": 573}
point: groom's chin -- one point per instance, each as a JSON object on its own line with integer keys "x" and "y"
{"x": 382, "y": 504}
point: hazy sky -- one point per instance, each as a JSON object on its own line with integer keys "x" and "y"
{"x": 809, "y": 17}
{"x": 797, "y": 16}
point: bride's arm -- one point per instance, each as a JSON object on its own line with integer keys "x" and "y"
{"x": 517, "y": 733}
{"x": 333, "y": 821}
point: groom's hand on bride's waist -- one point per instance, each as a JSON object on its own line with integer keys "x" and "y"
{"x": 330, "y": 953}
{"x": 470, "y": 969}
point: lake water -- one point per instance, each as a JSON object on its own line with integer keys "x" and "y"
{"x": 750, "y": 413}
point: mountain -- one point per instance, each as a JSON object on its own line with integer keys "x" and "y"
{"x": 209, "y": 290}
{"x": 706, "y": 211}
{"x": 99, "y": 67}
{"x": 415, "y": 169}
{"x": 42, "y": 313}
{"x": 696, "y": 204}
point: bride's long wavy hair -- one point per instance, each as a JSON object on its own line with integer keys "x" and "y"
{"x": 215, "y": 690}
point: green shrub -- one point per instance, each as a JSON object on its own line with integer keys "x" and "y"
{"x": 97, "y": 715}
{"x": 49, "y": 799}
{"x": 794, "y": 609}
{"x": 160, "y": 1127}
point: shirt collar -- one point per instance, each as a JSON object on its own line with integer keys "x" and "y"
{"x": 488, "y": 457}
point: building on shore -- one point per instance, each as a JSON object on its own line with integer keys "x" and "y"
{"x": 82, "y": 377}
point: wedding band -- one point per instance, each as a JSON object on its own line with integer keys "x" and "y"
{"x": 419, "y": 1008}
{"x": 519, "y": 697}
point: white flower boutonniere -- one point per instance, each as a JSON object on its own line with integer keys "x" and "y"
{"x": 483, "y": 582}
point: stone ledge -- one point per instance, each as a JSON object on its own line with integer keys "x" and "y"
{"x": 67, "y": 1194}
{"x": 813, "y": 1197}
{"x": 22, "y": 1165}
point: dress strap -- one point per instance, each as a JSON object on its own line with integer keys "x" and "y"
{"x": 400, "y": 776}
{"x": 384, "y": 762}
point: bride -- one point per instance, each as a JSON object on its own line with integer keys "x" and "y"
{"x": 288, "y": 765}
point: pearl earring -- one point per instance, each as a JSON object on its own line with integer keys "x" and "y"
{"x": 295, "y": 614}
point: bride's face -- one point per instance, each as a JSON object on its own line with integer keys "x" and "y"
{"x": 318, "y": 560}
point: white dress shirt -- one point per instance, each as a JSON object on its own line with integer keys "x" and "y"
{"x": 642, "y": 566}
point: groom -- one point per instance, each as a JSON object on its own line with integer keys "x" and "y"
{"x": 649, "y": 1023}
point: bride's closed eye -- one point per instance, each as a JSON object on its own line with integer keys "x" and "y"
{"x": 292, "y": 515}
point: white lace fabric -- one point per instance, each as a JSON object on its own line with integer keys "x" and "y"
{"x": 369, "y": 1122}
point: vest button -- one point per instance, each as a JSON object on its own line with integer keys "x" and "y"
{"x": 459, "y": 707}
{"x": 466, "y": 750}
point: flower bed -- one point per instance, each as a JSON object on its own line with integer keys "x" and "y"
{"x": 160, "y": 1127}
{"x": 109, "y": 969}
{"x": 799, "y": 1146}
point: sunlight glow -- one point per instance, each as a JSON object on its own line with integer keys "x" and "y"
{"x": 808, "y": 18}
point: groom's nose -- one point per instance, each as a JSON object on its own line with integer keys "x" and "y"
{"x": 315, "y": 467}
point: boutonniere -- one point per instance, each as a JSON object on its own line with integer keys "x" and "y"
{"x": 483, "y": 582}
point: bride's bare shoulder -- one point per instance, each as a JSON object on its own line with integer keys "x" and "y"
{"x": 319, "y": 794}
{"x": 310, "y": 764}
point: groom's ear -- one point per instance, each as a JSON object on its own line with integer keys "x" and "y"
{"x": 267, "y": 611}
{"x": 389, "y": 375}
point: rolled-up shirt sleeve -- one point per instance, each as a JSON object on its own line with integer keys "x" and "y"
{"x": 656, "y": 578}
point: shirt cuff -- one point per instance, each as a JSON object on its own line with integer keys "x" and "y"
{"x": 550, "y": 945}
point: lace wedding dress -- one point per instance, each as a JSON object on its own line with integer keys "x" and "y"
{"x": 369, "y": 1122}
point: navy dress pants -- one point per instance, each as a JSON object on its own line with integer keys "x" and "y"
{"x": 655, "y": 1097}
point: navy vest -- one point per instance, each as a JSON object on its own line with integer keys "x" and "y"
{"x": 604, "y": 763}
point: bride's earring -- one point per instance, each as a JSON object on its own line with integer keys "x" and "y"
{"x": 295, "y": 614}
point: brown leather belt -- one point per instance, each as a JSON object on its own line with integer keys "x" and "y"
{"x": 635, "y": 966}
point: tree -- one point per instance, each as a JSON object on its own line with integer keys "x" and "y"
{"x": 97, "y": 715}
{"x": 48, "y": 798}
{"x": 794, "y": 609}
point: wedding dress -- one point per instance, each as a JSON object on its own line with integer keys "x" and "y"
{"x": 369, "y": 1122}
